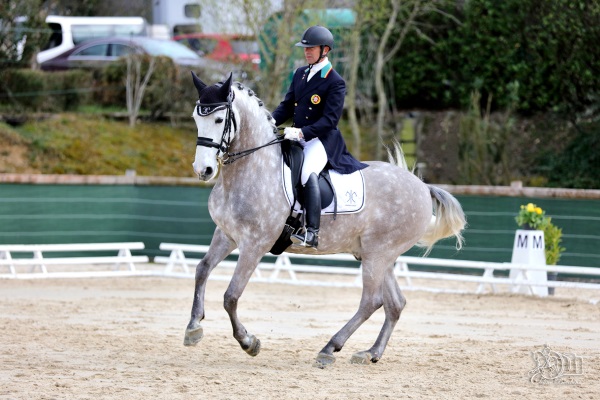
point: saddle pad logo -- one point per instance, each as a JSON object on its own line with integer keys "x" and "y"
{"x": 349, "y": 192}
{"x": 315, "y": 99}
{"x": 350, "y": 197}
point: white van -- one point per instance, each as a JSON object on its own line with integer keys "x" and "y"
{"x": 69, "y": 31}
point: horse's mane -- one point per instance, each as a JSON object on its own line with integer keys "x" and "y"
{"x": 249, "y": 101}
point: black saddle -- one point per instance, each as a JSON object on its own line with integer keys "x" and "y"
{"x": 293, "y": 157}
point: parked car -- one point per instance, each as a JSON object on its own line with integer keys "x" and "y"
{"x": 67, "y": 32}
{"x": 96, "y": 53}
{"x": 238, "y": 49}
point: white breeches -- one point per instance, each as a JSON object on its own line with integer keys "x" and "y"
{"x": 315, "y": 158}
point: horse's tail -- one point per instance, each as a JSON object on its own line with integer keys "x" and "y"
{"x": 448, "y": 220}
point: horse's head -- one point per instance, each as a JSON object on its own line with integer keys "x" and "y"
{"x": 216, "y": 123}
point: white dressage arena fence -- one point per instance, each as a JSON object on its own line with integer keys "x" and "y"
{"x": 276, "y": 268}
{"x": 34, "y": 258}
{"x": 272, "y": 269}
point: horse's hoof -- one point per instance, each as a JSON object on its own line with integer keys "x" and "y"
{"x": 362, "y": 357}
{"x": 323, "y": 360}
{"x": 193, "y": 336}
{"x": 254, "y": 347}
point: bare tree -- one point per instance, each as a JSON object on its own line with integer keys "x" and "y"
{"x": 134, "y": 85}
{"x": 384, "y": 54}
{"x": 390, "y": 21}
{"x": 279, "y": 48}
{"x": 276, "y": 34}
{"x": 355, "y": 44}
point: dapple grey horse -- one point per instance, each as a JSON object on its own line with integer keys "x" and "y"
{"x": 249, "y": 208}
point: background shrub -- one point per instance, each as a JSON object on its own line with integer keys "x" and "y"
{"x": 539, "y": 55}
{"x": 25, "y": 90}
{"x": 169, "y": 90}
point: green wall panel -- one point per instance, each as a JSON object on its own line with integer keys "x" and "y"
{"x": 155, "y": 214}
{"x": 90, "y": 214}
{"x": 491, "y": 228}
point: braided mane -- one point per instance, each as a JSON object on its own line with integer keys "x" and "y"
{"x": 254, "y": 106}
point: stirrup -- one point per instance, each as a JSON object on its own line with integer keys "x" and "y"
{"x": 301, "y": 239}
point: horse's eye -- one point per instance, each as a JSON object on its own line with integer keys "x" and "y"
{"x": 218, "y": 120}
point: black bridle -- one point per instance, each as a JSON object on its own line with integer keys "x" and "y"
{"x": 205, "y": 109}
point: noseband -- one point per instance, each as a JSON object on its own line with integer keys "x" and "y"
{"x": 205, "y": 109}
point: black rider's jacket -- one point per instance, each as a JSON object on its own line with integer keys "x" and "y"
{"x": 316, "y": 107}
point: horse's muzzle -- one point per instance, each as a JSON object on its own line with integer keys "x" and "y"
{"x": 205, "y": 175}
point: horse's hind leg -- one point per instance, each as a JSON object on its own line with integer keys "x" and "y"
{"x": 220, "y": 247}
{"x": 393, "y": 304}
{"x": 371, "y": 301}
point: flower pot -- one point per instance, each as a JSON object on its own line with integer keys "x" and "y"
{"x": 552, "y": 276}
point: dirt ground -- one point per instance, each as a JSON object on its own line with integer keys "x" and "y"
{"x": 122, "y": 338}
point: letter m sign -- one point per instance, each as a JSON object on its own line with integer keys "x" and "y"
{"x": 522, "y": 241}
{"x": 538, "y": 242}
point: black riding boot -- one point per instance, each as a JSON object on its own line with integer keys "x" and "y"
{"x": 312, "y": 206}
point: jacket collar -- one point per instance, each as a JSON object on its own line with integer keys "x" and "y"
{"x": 324, "y": 67}
{"x": 306, "y": 88}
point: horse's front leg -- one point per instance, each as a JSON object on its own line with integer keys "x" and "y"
{"x": 246, "y": 265}
{"x": 220, "y": 247}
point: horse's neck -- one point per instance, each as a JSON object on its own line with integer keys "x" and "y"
{"x": 261, "y": 168}
{"x": 259, "y": 171}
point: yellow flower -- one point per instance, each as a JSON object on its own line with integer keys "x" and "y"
{"x": 538, "y": 210}
{"x": 530, "y": 207}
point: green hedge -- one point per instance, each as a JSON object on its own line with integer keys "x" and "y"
{"x": 170, "y": 89}
{"x": 578, "y": 165}
{"x": 25, "y": 90}
{"x": 536, "y": 55}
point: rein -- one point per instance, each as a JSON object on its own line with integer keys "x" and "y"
{"x": 231, "y": 157}
{"x": 205, "y": 109}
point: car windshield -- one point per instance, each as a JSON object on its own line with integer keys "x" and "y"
{"x": 168, "y": 48}
{"x": 244, "y": 46}
{"x": 82, "y": 33}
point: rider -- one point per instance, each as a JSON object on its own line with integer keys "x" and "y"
{"x": 314, "y": 101}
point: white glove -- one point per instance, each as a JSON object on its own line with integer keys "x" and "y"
{"x": 292, "y": 133}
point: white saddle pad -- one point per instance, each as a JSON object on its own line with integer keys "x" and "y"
{"x": 349, "y": 190}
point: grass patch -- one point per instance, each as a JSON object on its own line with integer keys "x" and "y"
{"x": 94, "y": 142}
{"x": 94, "y": 145}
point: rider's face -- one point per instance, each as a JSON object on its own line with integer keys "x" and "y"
{"x": 312, "y": 53}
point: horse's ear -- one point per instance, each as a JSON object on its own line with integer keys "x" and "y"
{"x": 198, "y": 83}
{"x": 226, "y": 88}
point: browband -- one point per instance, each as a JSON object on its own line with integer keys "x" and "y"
{"x": 204, "y": 109}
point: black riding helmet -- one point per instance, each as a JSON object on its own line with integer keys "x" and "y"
{"x": 316, "y": 36}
